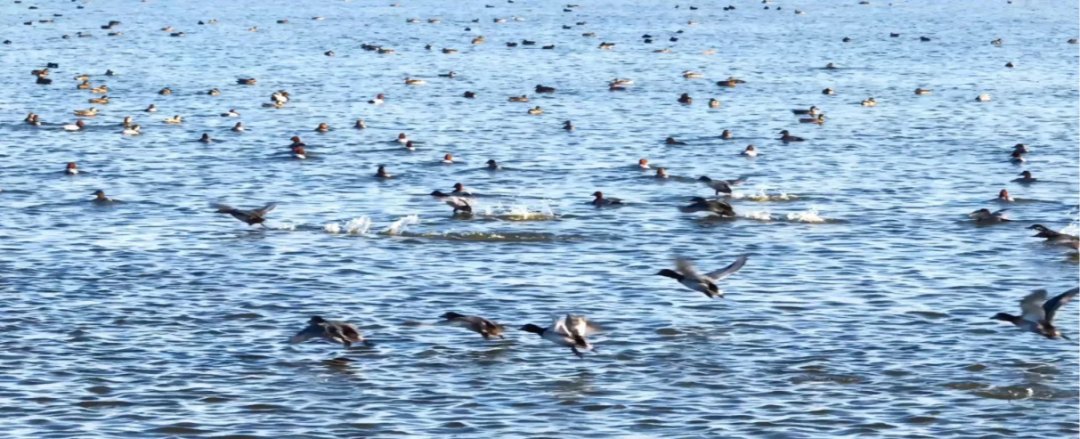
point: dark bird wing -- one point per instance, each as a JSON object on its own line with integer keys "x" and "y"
{"x": 1031, "y": 306}
{"x": 738, "y": 181}
{"x": 264, "y": 210}
{"x": 308, "y": 333}
{"x": 348, "y": 332}
{"x": 1051, "y": 306}
{"x": 686, "y": 268}
{"x": 727, "y": 271}
{"x": 222, "y": 208}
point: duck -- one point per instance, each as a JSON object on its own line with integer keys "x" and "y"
{"x": 692, "y": 75}
{"x": 922, "y": 91}
{"x": 330, "y": 331}
{"x": 820, "y": 119}
{"x": 448, "y": 159}
{"x": 750, "y": 151}
{"x": 812, "y": 111}
{"x": 459, "y": 204}
{"x": 322, "y": 128}
{"x": 643, "y": 164}
{"x": 1017, "y": 157}
{"x": 726, "y": 135}
{"x": 214, "y": 92}
{"x": 231, "y": 113}
{"x": 672, "y": 141}
{"x": 661, "y": 173}
{"x": 91, "y": 112}
{"x": 298, "y": 152}
{"x": 568, "y": 126}
{"x": 83, "y": 78}
{"x": 599, "y": 200}
{"x": 165, "y": 91}
{"x": 831, "y": 66}
{"x": 536, "y": 110}
{"x": 521, "y": 98}
{"x": 616, "y": 88}
{"x": 409, "y": 146}
{"x": 449, "y": 51}
{"x": 786, "y": 137}
{"x": 296, "y": 141}
{"x": 985, "y": 216}
{"x": 71, "y": 169}
{"x": 401, "y": 138}
{"x": 486, "y": 328}
{"x": 1004, "y": 197}
{"x": 133, "y": 130}
{"x": 607, "y": 46}
{"x": 569, "y": 331}
{"x": 1052, "y": 235}
{"x": 528, "y": 43}
{"x": 1009, "y": 65}
{"x": 205, "y": 138}
{"x": 151, "y": 109}
{"x": 410, "y": 81}
{"x": 924, "y": 39}
{"x": 621, "y": 82}
{"x": 102, "y": 89}
{"x": 85, "y": 85}
{"x": 1025, "y": 178}
{"x": 869, "y": 102}
{"x": 360, "y": 125}
{"x": 713, "y": 103}
{"x": 378, "y": 99}
{"x": 985, "y": 97}
{"x": 450, "y": 74}
{"x": 479, "y": 40}
{"x": 239, "y": 127}
{"x": 250, "y": 217}
{"x": 511, "y": 44}
{"x": 381, "y": 172}
{"x": 329, "y": 53}
{"x": 470, "y": 95}
{"x": 280, "y": 97}
{"x": 828, "y": 91}
{"x": 460, "y": 191}
{"x": 32, "y": 119}
{"x": 492, "y": 165}
{"x": 998, "y": 42}
{"x": 685, "y": 98}
{"x": 1037, "y": 313}
{"x": 544, "y": 89}
{"x": 686, "y": 275}
{"x": 128, "y": 122}
{"x": 174, "y": 120}
{"x": 102, "y": 100}
{"x": 699, "y": 204}
{"x": 246, "y": 81}
{"x": 77, "y": 126}
{"x": 100, "y": 198}
{"x": 723, "y": 186}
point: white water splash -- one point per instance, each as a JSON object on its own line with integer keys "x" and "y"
{"x": 763, "y": 194}
{"x": 520, "y": 212}
{"x": 760, "y": 216}
{"x": 809, "y": 216}
{"x": 402, "y": 224}
{"x": 355, "y": 226}
{"x": 284, "y": 226}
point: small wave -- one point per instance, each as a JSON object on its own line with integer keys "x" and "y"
{"x": 519, "y": 212}
{"x": 757, "y": 216}
{"x": 402, "y": 224}
{"x": 355, "y": 226}
{"x": 493, "y": 237}
{"x": 763, "y": 195}
{"x": 283, "y": 226}
{"x": 807, "y": 216}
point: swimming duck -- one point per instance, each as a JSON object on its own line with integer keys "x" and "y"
{"x": 479, "y": 325}
{"x": 250, "y": 217}
{"x": 459, "y": 204}
{"x": 828, "y": 91}
{"x": 820, "y": 119}
{"x": 1003, "y": 196}
{"x": 846, "y": 40}
{"x": 568, "y": 126}
{"x": 1051, "y": 235}
{"x": 165, "y": 91}
{"x": 231, "y": 113}
{"x": 1037, "y": 313}
{"x": 409, "y": 145}
{"x": 174, "y": 120}
{"x": 894, "y": 35}
{"x": 470, "y": 95}
{"x": 77, "y": 126}
{"x": 378, "y": 99}
{"x": 511, "y": 44}
{"x": 787, "y": 137}
{"x": 713, "y": 103}
{"x": 672, "y": 141}
{"x": 360, "y": 124}
{"x": 296, "y": 141}
{"x": 239, "y": 127}
{"x": 528, "y": 43}
{"x": 329, "y": 53}
{"x": 1010, "y": 65}
{"x": 924, "y": 39}
{"x": 750, "y": 151}
{"x": 85, "y": 85}
{"x": 1025, "y": 178}
{"x": 100, "y": 198}
{"x": 985, "y": 97}
{"x": 998, "y": 42}
{"x": 246, "y": 81}
{"x": 599, "y": 200}
{"x": 544, "y": 89}
{"x": 521, "y": 98}
{"x": 985, "y": 216}
{"x": 685, "y": 98}
{"x": 923, "y": 91}
{"x": 812, "y": 111}
{"x": 205, "y": 138}
{"x": 401, "y": 138}
{"x": 410, "y": 81}
{"x": 71, "y": 169}
{"x": 449, "y": 51}
{"x": 298, "y": 152}
{"x": 567, "y": 332}
{"x": 869, "y": 102}
{"x": 1017, "y": 157}
{"x": 412, "y": 20}
{"x": 100, "y": 89}
{"x": 722, "y": 185}
{"x": 43, "y": 80}
{"x": 620, "y": 81}
{"x": 1072, "y": 41}
{"x": 607, "y": 46}
{"x": 700, "y": 204}
{"x": 133, "y": 130}
{"x": 692, "y": 75}
{"x": 381, "y": 172}
{"x": 331, "y": 331}
{"x": 727, "y": 135}
{"x": 643, "y": 164}
{"x": 661, "y": 173}
{"x": 214, "y": 92}
{"x": 32, "y": 119}
{"x": 385, "y": 51}
{"x": 536, "y": 110}
{"x": 91, "y": 112}
{"x": 686, "y": 275}
{"x": 151, "y": 109}
{"x": 492, "y": 165}
{"x": 448, "y": 159}
{"x": 83, "y": 78}
{"x": 479, "y": 40}
{"x": 322, "y": 128}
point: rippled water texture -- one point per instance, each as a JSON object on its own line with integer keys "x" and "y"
{"x": 863, "y": 311}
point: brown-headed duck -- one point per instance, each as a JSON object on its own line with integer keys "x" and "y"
{"x": 322, "y": 128}
{"x": 72, "y": 169}
{"x": 643, "y": 164}
{"x": 448, "y": 159}
{"x": 661, "y": 173}
{"x": 599, "y": 200}
{"x": 750, "y": 151}
{"x": 727, "y": 135}
{"x": 77, "y": 126}
{"x": 296, "y": 141}
{"x": 100, "y": 198}
{"x": 1025, "y": 177}
{"x": 360, "y": 125}
{"x": 378, "y": 99}
{"x": 1003, "y": 196}
{"x": 298, "y": 152}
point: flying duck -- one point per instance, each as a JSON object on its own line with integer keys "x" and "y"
{"x": 251, "y": 217}
{"x": 569, "y": 331}
{"x": 459, "y": 204}
{"x": 1037, "y": 313}
{"x": 985, "y": 216}
{"x": 331, "y": 331}
{"x": 477, "y": 324}
{"x": 722, "y": 185}
{"x": 685, "y": 274}
{"x": 1051, "y": 235}
{"x": 718, "y": 207}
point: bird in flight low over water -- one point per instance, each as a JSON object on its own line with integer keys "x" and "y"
{"x": 251, "y": 217}
{"x": 569, "y": 331}
{"x": 706, "y": 283}
{"x": 1037, "y": 313}
{"x": 477, "y": 324}
{"x": 331, "y": 331}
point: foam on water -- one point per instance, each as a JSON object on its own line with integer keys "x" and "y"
{"x": 356, "y": 226}
{"x": 806, "y": 216}
{"x": 402, "y": 224}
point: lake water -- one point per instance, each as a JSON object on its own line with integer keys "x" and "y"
{"x": 863, "y": 311}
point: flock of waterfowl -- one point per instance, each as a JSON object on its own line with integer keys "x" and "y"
{"x": 568, "y": 331}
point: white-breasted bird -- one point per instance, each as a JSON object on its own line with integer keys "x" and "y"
{"x": 569, "y": 331}
{"x": 706, "y": 283}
